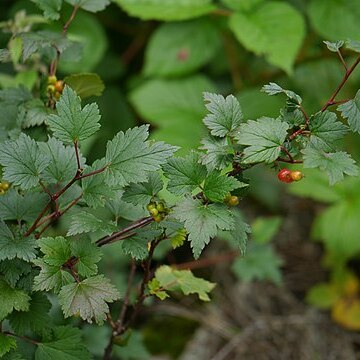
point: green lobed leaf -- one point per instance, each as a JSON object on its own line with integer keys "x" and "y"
{"x": 7, "y": 343}
{"x": 353, "y": 45}
{"x": 225, "y": 114}
{"x": 15, "y": 245}
{"x": 325, "y": 129}
{"x": 32, "y": 113}
{"x": 90, "y": 5}
{"x": 184, "y": 174}
{"x": 136, "y": 247}
{"x": 168, "y": 10}
{"x": 262, "y": 31}
{"x": 183, "y": 280}
{"x": 131, "y": 157}
{"x": 73, "y": 123}
{"x": 189, "y": 45}
{"x": 264, "y": 139}
{"x": 85, "y": 222}
{"x": 12, "y": 299}
{"x": 88, "y": 298}
{"x": 56, "y": 250}
{"x": 22, "y": 161}
{"x": 13, "y": 269}
{"x": 241, "y": 4}
{"x": 36, "y": 318}
{"x": 351, "y": 111}
{"x": 202, "y": 222}
{"x": 335, "y": 164}
{"x": 239, "y": 236}
{"x": 218, "y": 153}
{"x": 275, "y": 89}
{"x": 334, "y": 46}
{"x": 217, "y": 186}
{"x": 51, "y": 8}
{"x": 142, "y": 193}
{"x": 86, "y": 84}
{"x": 65, "y": 344}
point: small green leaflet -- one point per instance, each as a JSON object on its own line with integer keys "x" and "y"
{"x": 66, "y": 344}
{"x": 131, "y": 157}
{"x": 353, "y": 45}
{"x": 15, "y": 245}
{"x": 351, "y": 111}
{"x": 88, "y": 298}
{"x": 274, "y": 89}
{"x": 325, "y": 129}
{"x": 336, "y": 164}
{"x": 36, "y": 318}
{"x": 143, "y": 192}
{"x": 85, "y": 222}
{"x": 22, "y": 161}
{"x": 170, "y": 279}
{"x": 86, "y": 84}
{"x": 334, "y": 46}
{"x": 225, "y": 114}
{"x": 51, "y": 8}
{"x": 217, "y": 154}
{"x": 90, "y": 5}
{"x": 12, "y": 299}
{"x": 217, "y": 186}
{"x": 6, "y": 344}
{"x": 264, "y": 138}
{"x": 184, "y": 174}
{"x": 73, "y": 123}
{"x": 202, "y": 222}
{"x": 14, "y": 206}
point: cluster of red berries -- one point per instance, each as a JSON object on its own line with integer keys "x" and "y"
{"x": 288, "y": 176}
{"x": 55, "y": 87}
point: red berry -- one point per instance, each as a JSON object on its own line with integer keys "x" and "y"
{"x": 284, "y": 175}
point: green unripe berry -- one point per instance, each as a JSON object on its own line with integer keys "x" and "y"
{"x": 2, "y": 191}
{"x": 154, "y": 212}
{"x": 50, "y": 89}
{"x": 158, "y": 218}
{"x": 151, "y": 206}
{"x": 233, "y": 201}
{"x": 160, "y": 207}
{"x": 4, "y": 185}
{"x": 51, "y": 79}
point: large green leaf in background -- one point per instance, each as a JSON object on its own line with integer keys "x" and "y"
{"x": 180, "y": 48}
{"x": 167, "y": 10}
{"x": 273, "y": 29}
{"x": 176, "y": 106}
{"x": 335, "y": 19}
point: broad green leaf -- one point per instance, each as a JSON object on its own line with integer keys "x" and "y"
{"x": 51, "y": 8}
{"x": 86, "y": 84}
{"x": 142, "y": 193}
{"x": 218, "y": 153}
{"x": 264, "y": 139}
{"x": 50, "y": 277}
{"x": 265, "y": 228}
{"x": 88, "y": 298}
{"x": 32, "y": 113}
{"x": 87, "y": 254}
{"x": 86, "y": 222}
{"x": 12, "y": 299}
{"x": 275, "y": 89}
{"x": 351, "y": 111}
{"x": 36, "y": 318}
{"x": 273, "y": 29}
{"x": 322, "y": 295}
{"x": 90, "y": 5}
{"x": 184, "y": 174}
{"x": 217, "y": 186}
{"x": 202, "y": 222}
{"x": 131, "y": 157}
{"x": 239, "y": 236}
{"x": 334, "y": 46}
{"x": 73, "y": 123}
{"x": 136, "y": 247}
{"x": 26, "y": 207}
{"x": 335, "y": 19}
{"x": 241, "y": 4}
{"x": 56, "y": 250}
{"x": 325, "y": 129}
{"x": 63, "y": 166}
{"x": 183, "y": 280}
{"x": 260, "y": 263}
{"x": 353, "y": 45}
{"x": 189, "y": 45}
{"x": 22, "y": 161}
{"x": 65, "y": 344}
{"x": 174, "y": 106}
{"x": 15, "y": 245}
{"x": 168, "y": 10}
{"x": 7, "y": 343}
{"x": 335, "y": 164}
{"x": 225, "y": 114}
{"x": 13, "y": 269}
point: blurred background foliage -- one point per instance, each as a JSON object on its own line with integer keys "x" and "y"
{"x": 156, "y": 58}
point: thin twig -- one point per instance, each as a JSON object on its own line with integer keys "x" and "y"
{"x": 286, "y": 151}
{"x": 77, "y": 155}
{"x": 70, "y": 20}
{"x": 342, "y": 60}
{"x": 32, "y": 341}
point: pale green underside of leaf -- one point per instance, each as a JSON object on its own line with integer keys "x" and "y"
{"x": 351, "y": 111}
{"x": 262, "y": 31}
{"x": 168, "y": 10}
{"x": 264, "y": 139}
